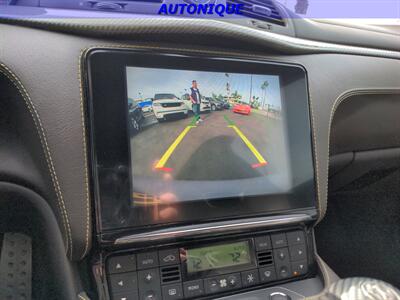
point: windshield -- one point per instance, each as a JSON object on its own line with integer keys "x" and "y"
{"x": 164, "y": 96}
{"x": 375, "y": 12}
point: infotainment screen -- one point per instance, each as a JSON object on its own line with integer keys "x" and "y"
{"x": 182, "y": 139}
{"x": 198, "y": 135}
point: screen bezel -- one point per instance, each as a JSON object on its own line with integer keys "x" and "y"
{"x": 107, "y": 105}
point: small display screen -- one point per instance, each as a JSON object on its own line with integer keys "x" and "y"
{"x": 216, "y": 257}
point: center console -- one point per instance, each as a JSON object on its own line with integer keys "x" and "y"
{"x": 203, "y": 174}
{"x": 211, "y": 266}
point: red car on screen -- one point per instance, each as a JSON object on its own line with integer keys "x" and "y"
{"x": 244, "y": 109}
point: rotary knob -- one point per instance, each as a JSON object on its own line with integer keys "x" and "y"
{"x": 278, "y": 296}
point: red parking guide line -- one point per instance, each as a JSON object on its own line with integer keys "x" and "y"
{"x": 165, "y": 169}
{"x": 255, "y": 166}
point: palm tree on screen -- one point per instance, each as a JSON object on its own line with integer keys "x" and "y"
{"x": 264, "y": 86}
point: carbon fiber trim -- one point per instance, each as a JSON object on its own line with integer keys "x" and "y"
{"x": 217, "y": 227}
{"x": 173, "y": 27}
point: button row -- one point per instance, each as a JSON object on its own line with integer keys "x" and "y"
{"x": 296, "y": 253}
{"x": 234, "y": 281}
{"x": 290, "y": 261}
{"x": 137, "y": 276}
{"x": 146, "y": 281}
{"x": 279, "y": 240}
{"x": 124, "y": 286}
{"x": 141, "y": 261}
{"x": 133, "y": 262}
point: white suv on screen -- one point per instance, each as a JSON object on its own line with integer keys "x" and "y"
{"x": 166, "y": 105}
{"x": 205, "y": 105}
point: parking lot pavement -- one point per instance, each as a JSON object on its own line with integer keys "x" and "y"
{"x": 224, "y": 146}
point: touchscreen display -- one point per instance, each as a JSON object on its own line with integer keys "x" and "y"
{"x": 181, "y": 140}
{"x": 197, "y": 135}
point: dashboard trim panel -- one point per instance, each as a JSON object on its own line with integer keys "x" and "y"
{"x": 180, "y": 26}
{"x": 216, "y": 227}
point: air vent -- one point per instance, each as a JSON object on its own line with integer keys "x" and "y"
{"x": 265, "y": 258}
{"x": 170, "y": 274}
{"x": 264, "y": 10}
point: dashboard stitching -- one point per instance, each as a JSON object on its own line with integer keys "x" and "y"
{"x": 47, "y": 153}
{"x": 321, "y": 210}
{"x": 84, "y": 140}
{"x": 81, "y": 297}
{"x": 343, "y": 97}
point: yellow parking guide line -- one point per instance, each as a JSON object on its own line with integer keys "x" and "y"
{"x": 161, "y": 163}
{"x": 253, "y": 149}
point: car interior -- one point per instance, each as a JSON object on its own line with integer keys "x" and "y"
{"x": 180, "y": 157}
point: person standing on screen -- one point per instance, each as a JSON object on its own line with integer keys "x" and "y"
{"x": 195, "y": 97}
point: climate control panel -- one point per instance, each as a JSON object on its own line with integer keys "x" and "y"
{"x": 207, "y": 269}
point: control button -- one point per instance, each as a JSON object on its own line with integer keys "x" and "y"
{"x": 223, "y": 283}
{"x": 279, "y": 296}
{"x": 148, "y": 277}
{"x": 233, "y": 281}
{"x": 295, "y": 237}
{"x": 263, "y": 243}
{"x": 149, "y": 284}
{"x": 283, "y": 272}
{"x": 299, "y": 268}
{"x": 121, "y": 264}
{"x": 172, "y": 292}
{"x": 250, "y": 278}
{"x": 131, "y": 295}
{"x": 150, "y": 295}
{"x": 278, "y": 240}
{"x": 267, "y": 274}
{"x": 168, "y": 257}
{"x": 123, "y": 282}
{"x": 282, "y": 264}
{"x": 298, "y": 252}
{"x": 281, "y": 256}
{"x": 193, "y": 288}
{"x": 211, "y": 285}
{"x": 147, "y": 260}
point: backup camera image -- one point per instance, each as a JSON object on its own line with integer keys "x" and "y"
{"x": 205, "y": 135}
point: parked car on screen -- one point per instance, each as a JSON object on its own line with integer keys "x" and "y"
{"x": 226, "y": 104}
{"x": 205, "y": 105}
{"x": 146, "y": 105}
{"x": 242, "y": 108}
{"x": 135, "y": 117}
{"x": 168, "y": 105}
{"x": 215, "y": 104}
